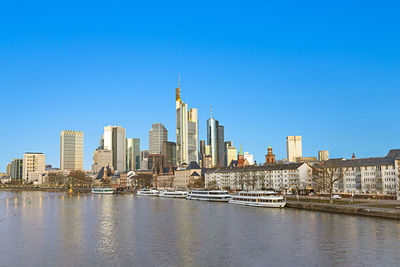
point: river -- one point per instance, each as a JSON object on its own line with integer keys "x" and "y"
{"x": 58, "y": 229}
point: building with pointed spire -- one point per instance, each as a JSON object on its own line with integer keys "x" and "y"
{"x": 240, "y": 158}
{"x": 187, "y": 131}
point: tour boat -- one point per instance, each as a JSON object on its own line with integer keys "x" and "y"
{"x": 103, "y": 190}
{"x": 148, "y": 192}
{"x": 173, "y": 194}
{"x": 266, "y": 199}
{"x": 209, "y": 195}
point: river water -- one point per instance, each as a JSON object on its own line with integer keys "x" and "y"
{"x": 56, "y": 229}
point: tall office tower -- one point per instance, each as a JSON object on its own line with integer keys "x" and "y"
{"x": 323, "y": 155}
{"x": 101, "y": 158}
{"x": 114, "y": 140}
{"x": 157, "y": 136}
{"x": 132, "y": 154}
{"x": 168, "y": 153}
{"x": 33, "y": 163}
{"x": 9, "y": 169}
{"x": 71, "y": 150}
{"x": 215, "y": 139}
{"x": 231, "y": 153}
{"x": 144, "y": 159}
{"x": 249, "y": 157}
{"x": 202, "y": 155}
{"x": 227, "y": 145}
{"x": 16, "y": 168}
{"x": 294, "y": 149}
{"x": 187, "y": 131}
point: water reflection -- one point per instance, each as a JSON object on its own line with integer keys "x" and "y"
{"x": 83, "y": 229}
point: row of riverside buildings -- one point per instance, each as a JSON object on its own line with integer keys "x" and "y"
{"x": 215, "y": 161}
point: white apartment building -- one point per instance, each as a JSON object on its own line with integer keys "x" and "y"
{"x": 294, "y": 148}
{"x": 370, "y": 175}
{"x": 280, "y": 177}
{"x": 33, "y": 166}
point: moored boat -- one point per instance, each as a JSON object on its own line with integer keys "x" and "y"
{"x": 173, "y": 194}
{"x": 266, "y": 199}
{"x": 103, "y": 190}
{"x": 148, "y": 192}
{"x": 209, "y": 195}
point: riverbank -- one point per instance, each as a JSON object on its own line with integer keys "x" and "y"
{"x": 373, "y": 211}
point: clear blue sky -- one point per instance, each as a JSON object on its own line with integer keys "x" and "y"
{"x": 326, "y": 70}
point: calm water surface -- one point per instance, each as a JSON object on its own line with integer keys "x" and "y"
{"x": 39, "y": 228}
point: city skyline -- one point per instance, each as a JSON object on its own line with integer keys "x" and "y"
{"x": 277, "y": 71}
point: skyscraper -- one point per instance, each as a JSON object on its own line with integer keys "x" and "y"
{"x": 215, "y": 139}
{"x": 101, "y": 158}
{"x": 16, "y": 168}
{"x": 157, "y": 136}
{"x": 132, "y": 154}
{"x": 294, "y": 148}
{"x": 187, "y": 131}
{"x": 114, "y": 140}
{"x": 168, "y": 153}
{"x": 71, "y": 150}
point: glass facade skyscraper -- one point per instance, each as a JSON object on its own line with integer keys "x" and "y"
{"x": 157, "y": 136}
{"x": 215, "y": 139}
{"x": 132, "y": 154}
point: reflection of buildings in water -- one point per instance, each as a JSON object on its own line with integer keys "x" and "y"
{"x": 186, "y": 231}
{"x": 107, "y": 241}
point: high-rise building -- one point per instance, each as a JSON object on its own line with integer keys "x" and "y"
{"x": 71, "y": 150}
{"x": 294, "y": 148}
{"x": 231, "y": 153}
{"x": 144, "y": 160}
{"x": 202, "y": 154}
{"x": 323, "y": 155}
{"x": 102, "y": 158}
{"x": 249, "y": 157}
{"x": 215, "y": 139}
{"x": 157, "y": 136}
{"x": 132, "y": 154}
{"x": 8, "y": 173}
{"x": 16, "y": 168}
{"x": 34, "y": 163}
{"x": 168, "y": 153}
{"x": 114, "y": 140}
{"x": 187, "y": 131}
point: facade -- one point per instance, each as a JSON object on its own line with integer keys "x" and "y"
{"x": 157, "y": 136}
{"x": 101, "y": 158}
{"x": 270, "y": 157}
{"x": 114, "y": 139}
{"x": 231, "y": 153}
{"x": 250, "y": 158}
{"x": 215, "y": 139}
{"x": 132, "y": 154}
{"x": 323, "y": 155}
{"x": 16, "y": 169}
{"x": 279, "y": 177}
{"x": 144, "y": 160}
{"x": 8, "y": 172}
{"x": 369, "y": 175}
{"x": 306, "y": 159}
{"x": 187, "y": 131}
{"x": 168, "y": 152}
{"x": 33, "y": 163}
{"x": 185, "y": 176}
{"x": 71, "y": 150}
{"x": 202, "y": 152}
{"x": 294, "y": 148}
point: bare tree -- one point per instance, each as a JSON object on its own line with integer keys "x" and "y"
{"x": 327, "y": 174}
{"x": 212, "y": 185}
{"x": 253, "y": 180}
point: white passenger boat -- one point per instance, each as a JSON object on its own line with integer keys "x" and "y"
{"x": 173, "y": 194}
{"x": 103, "y": 190}
{"x": 209, "y": 195}
{"x": 266, "y": 199}
{"x": 148, "y": 192}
